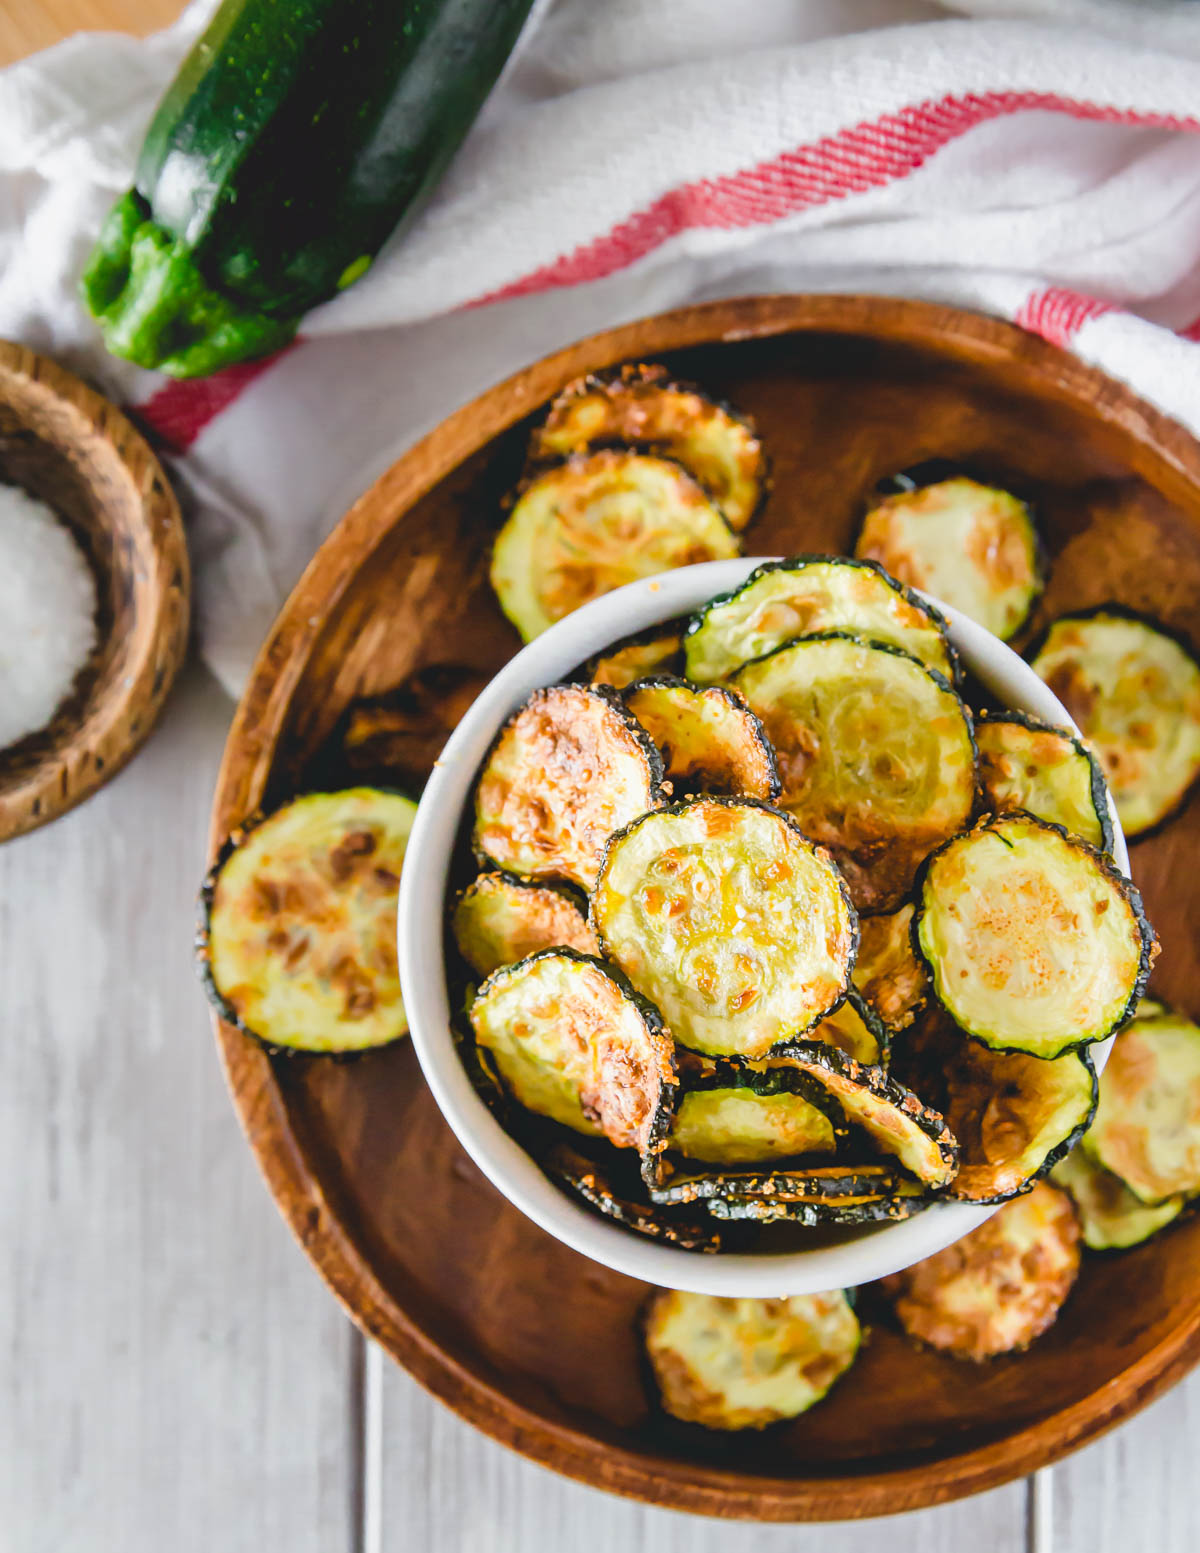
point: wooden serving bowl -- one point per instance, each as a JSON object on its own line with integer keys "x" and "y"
{"x": 522, "y": 1336}
{"x": 68, "y": 446}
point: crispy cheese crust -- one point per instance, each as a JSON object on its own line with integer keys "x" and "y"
{"x": 709, "y": 739}
{"x": 499, "y": 920}
{"x": 887, "y": 972}
{"x": 643, "y": 655}
{"x": 999, "y": 1287}
{"x": 747, "y": 1363}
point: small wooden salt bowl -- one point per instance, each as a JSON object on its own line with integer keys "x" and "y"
{"x": 68, "y": 446}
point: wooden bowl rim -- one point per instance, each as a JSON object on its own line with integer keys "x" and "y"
{"x": 1172, "y": 460}
{"x": 44, "y": 793}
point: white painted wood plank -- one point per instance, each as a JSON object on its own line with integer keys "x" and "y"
{"x": 1135, "y": 1489}
{"x": 447, "y": 1489}
{"x": 174, "y": 1375}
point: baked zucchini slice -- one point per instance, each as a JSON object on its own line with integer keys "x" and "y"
{"x": 1147, "y": 1127}
{"x": 297, "y": 943}
{"x": 820, "y": 1183}
{"x": 571, "y": 1040}
{"x": 747, "y": 1363}
{"x": 900, "y": 1202}
{"x": 1135, "y": 693}
{"x": 659, "y": 651}
{"x": 856, "y": 1029}
{"x": 970, "y": 545}
{"x": 888, "y": 974}
{"x": 807, "y": 594}
{"x": 875, "y": 752}
{"x": 709, "y": 739}
{"x": 1113, "y": 1219}
{"x": 1047, "y": 771}
{"x": 896, "y": 1120}
{"x": 999, "y": 1287}
{"x": 403, "y": 731}
{"x": 604, "y": 1188}
{"x": 640, "y": 406}
{"x": 744, "y": 1113}
{"x": 595, "y": 523}
{"x": 499, "y": 920}
{"x": 1034, "y": 941}
{"x": 570, "y": 768}
{"x": 723, "y": 913}
{"x": 1013, "y": 1115}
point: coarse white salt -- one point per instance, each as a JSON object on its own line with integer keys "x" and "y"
{"x": 47, "y": 613}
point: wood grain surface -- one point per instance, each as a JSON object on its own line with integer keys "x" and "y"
{"x": 427, "y": 1257}
{"x": 28, "y": 25}
{"x": 65, "y": 444}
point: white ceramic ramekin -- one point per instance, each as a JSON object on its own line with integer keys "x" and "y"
{"x": 866, "y": 1253}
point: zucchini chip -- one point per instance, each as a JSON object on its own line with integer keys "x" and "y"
{"x": 1147, "y": 1127}
{"x": 1113, "y": 1218}
{"x": 404, "y": 730}
{"x": 822, "y": 1183}
{"x": 725, "y": 915}
{"x": 875, "y": 752}
{"x": 499, "y": 920}
{"x": 570, "y": 768}
{"x": 298, "y": 940}
{"x": 805, "y": 595}
{"x": 655, "y": 652}
{"x": 745, "y": 1113}
{"x": 1047, "y": 771}
{"x": 1135, "y": 693}
{"x": 896, "y": 1120}
{"x": 999, "y": 1287}
{"x": 595, "y": 523}
{"x": 709, "y": 739}
{"x": 900, "y": 1202}
{"x": 641, "y": 406}
{"x": 887, "y": 973}
{"x": 971, "y": 545}
{"x": 856, "y": 1029}
{"x": 1035, "y": 942}
{"x": 747, "y": 1363}
{"x": 598, "y": 1187}
{"x": 571, "y": 1040}
{"x": 1013, "y": 1115}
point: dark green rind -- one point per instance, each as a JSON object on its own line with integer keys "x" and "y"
{"x": 1140, "y": 617}
{"x": 1099, "y": 787}
{"x": 582, "y": 1178}
{"x": 1126, "y": 887}
{"x": 874, "y": 1022}
{"x": 798, "y": 562}
{"x": 643, "y": 373}
{"x": 826, "y": 1180}
{"x": 200, "y": 942}
{"x": 645, "y": 743}
{"x": 663, "y": 681}
{"x": 780, "y": 1048}
{"x": 880, "y": 1083}
{"x": 664, "y": 1115}
{"x": 292, "y": 140}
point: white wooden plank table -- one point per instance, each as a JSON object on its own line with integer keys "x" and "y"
{"x": 175, "y": 1376}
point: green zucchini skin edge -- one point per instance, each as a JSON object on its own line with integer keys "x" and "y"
{"x": 636, "y": 374}
{"x": 774, "y": 1186}
{"x": 792, "y": 563}
{"x": 934, "y": 471}
{"x": 290, "y": 143}
{"x": 874, "y": 1022}
{"x": 1143, "y": 618}
{"x": 1127, "y": 888}
{"x": 664, "y": 1115}
{"x": 883, "y": 1086}
{"x": 581, "y": 1178}
{"x": 780, "y": 1047}
{"x": 886, "y": 1209}
{"x": 1098, "y": 785}
{"x": 200, "y": 942}
{"x": 646, "y": 744}
{"x": 663, "y": 681}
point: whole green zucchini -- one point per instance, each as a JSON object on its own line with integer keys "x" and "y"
{"x": 294, "y": 138}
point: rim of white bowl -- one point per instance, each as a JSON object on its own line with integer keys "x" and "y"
{"x": 865, "y": 1254}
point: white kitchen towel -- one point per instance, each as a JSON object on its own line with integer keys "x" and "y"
{"x": 1038, "y": 159}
